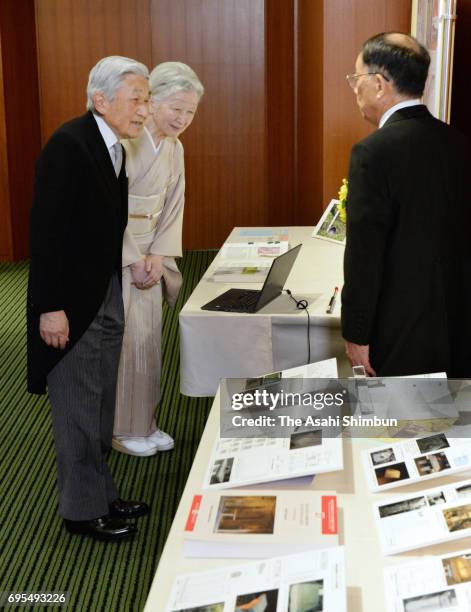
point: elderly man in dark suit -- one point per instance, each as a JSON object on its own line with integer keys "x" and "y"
{"x": 406, "y": 301}
{"x": 75, "y": 310}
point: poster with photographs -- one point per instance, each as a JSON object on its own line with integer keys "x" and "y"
{"x": 422, "y": 519}
{"x": 330, "y": 226}
{"x": 308, "y": 582}
{"x": 425, "y": 458}
{"x": 433, "y": 24}
{"x": 433, "y": 583}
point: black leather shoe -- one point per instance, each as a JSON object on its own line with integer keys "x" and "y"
{"x": 103, "y": 528}
{"x": 127, "y": 509}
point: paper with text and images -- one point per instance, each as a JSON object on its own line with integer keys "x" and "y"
{"x": 249, "y": 260}
{"x": 431, "y": 583}
{"x": 241, "y": 461}
{"x": 306, "y": 582}
{"x": 260, "y": 234}
{"x": 258, "y": 524}
{"x": 424, "y": 518}
{"x": 425, "y": 458}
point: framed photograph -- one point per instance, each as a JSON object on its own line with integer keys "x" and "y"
{"x": 330, "y": 226}
{"x": 433, "y": 24}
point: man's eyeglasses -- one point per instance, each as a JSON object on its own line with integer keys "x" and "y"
{"x": 353, "y": 78}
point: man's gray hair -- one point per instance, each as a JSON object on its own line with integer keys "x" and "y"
{"x": 106, "y": 76}
{"x": 169, "y": 78}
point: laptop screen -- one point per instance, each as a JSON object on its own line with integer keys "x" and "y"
{"x": 276, "y": 279}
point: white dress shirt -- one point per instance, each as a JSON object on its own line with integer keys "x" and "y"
{"x": 109, "y": 136}
{"x": 393, "y": 109}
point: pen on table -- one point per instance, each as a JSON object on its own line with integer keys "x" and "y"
{"x": 331, "y": 306}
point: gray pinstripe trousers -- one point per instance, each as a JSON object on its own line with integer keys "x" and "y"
{"x": 82, "y": 390}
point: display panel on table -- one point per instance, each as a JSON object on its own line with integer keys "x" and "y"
{"x": 423, "y": 518}
{"x": 307, "y": 582}
{"x": 245, "y": 460}
{"x": 415, "y": 460}
{"x": 250, "y": 523}
{"x": 432, "y": 583}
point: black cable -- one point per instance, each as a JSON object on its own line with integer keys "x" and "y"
{"x": 302, "y": 305}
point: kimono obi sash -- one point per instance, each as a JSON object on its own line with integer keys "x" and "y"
{"x": 144, "y": 212}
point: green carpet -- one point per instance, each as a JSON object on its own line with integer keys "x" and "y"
{"x": 36, "y": 553}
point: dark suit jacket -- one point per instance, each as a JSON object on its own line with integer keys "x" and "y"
{"x": 78, "y": 217}
{"x": 407, "y": 260}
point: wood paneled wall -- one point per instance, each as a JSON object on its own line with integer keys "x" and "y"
{"x": 280, "y": 78}
{"x": 72, "y": 35}
{"x": 6, "y": 244}
{"x": 19, "y": 124}
{"x": 347, "y": 24}
{"x": 309, "y": 130}
{"x": 330, "y": 34}
{"x": 224, "y": 41}
{"x": 271, "y": 140}
{"x": 225, "y": 146}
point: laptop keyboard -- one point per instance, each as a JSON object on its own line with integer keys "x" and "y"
{"x": 244, "y": 301}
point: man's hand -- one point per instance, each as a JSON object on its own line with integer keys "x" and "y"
{"x": 54, "y": 328}
{"x": 359, "y": 354}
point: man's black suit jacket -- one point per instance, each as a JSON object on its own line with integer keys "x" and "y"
{"x": 407, "y": 263}
{"x": 78, "y": 218}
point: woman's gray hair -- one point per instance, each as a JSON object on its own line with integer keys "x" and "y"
{"x": 169, "y": 78}
{"x": 106, "y": 76}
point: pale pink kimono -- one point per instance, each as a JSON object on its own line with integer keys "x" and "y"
{"x": 156, "y": 199}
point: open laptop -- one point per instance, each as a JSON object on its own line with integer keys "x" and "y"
{"x": 251, "y": 300}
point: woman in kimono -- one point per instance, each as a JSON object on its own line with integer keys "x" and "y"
{"x": 155, "y": 167}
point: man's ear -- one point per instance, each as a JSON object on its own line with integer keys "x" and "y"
{"x": 100, "y": 102}
{"x": 382, "y": 86}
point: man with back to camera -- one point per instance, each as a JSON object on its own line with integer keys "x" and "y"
{"x": 75, "y": 309}
{"x": 406, "y": 300}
